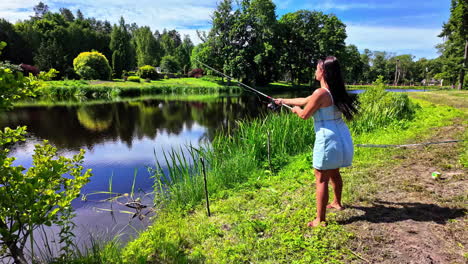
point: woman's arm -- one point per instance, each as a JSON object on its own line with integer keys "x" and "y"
{"x": 313, "y": 104}
{"x": 293, "y": 101}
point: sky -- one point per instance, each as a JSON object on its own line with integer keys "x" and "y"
{"x": 396, "y": 26}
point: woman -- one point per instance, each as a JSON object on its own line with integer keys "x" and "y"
{"x": 333, "y": 146}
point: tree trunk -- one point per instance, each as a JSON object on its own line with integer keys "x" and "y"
{"x": 462, "y": 71}
{"x": 15, "y": 252}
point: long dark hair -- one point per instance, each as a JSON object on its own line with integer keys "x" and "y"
{"x": 334, "y": 78}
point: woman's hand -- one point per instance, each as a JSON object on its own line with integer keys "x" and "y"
{"x": 296, "y": 109}
{"x": 279, "y": 101}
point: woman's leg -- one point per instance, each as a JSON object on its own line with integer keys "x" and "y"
{"x": 337, "y": 185}
{"x": 321, "y": 185}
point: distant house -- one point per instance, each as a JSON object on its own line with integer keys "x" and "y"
{"x": 432, "y": 82}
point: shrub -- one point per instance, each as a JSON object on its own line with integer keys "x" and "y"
{"x": 92, "y": 66}
{"x": 48, "y": 76}
{"x": 379, "y": 108}
{"x": 42, "y": 195}
{"x": 169, "y": 64}
{"x": 9, "y": 65}
{"x": 133, "y": 79}
{"x": 148, "y": 72}
{"x": 197, "y": 73}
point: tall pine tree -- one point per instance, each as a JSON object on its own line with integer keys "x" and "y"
{"x": 121, "y": 48}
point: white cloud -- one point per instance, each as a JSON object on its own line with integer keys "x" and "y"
{"x": 417, "y": 41}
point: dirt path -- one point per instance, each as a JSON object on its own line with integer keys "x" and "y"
{"x": 413, "y": 218}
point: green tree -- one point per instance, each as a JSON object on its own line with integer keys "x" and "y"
{"x": 146, "y": 47}
{"x": 365, "y": 60}
{"x": 253, "y": 42}
{"x": 379, "y": 66}
{"x": 183, "y": 53}
{"x": 79, "y": 15}
{"x": 40, "y": 10}
{"x": 169, "y": 64}
{"x": 455, "y": 48}
{"x": 308, "y": 36}
{"x": 67, "y": 14}
{"x": 18, "y": 51}
{"x": 169, "y": 41}
{"x": 50, "y": 55}
{"x": 352, "y": 65}
{"x": 121, "y": 48}
{"x": 219, "y": 45}
{"x": 401, "y": 69}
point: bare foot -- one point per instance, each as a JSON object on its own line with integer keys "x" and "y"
{"x": 335, "y": 206}
{"x": 316, "y": 223}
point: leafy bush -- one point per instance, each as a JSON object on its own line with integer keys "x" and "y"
{"x": 9, "y": 65}
{"x": 197, "y": 73}
{"x": 133, "y": 79}
{"x": 92, "y": 66}
{"x": 148, "y": 72}
{"x": 169, "y": 64}
{"x": 379, "y": 108}
{"x": 48, "y": 76}
{"x": 41, "y": 195}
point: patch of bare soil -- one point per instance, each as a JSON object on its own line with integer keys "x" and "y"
{"x": 414, "y": 218}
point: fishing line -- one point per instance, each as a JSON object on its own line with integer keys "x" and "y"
{"x": 272, "y": 103}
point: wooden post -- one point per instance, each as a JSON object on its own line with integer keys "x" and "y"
{"x": 206, "y": 187}
{"x": 268, "y": 148}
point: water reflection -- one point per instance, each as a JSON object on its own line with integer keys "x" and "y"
{"x": 75, "y": 127}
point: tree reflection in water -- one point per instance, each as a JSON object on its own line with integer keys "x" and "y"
{"x": 75, "y": 127}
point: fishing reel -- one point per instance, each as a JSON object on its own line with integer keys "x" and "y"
{"x": 273, "y": 106}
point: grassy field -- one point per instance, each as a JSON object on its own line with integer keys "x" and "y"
{"x": 261, "y": 217}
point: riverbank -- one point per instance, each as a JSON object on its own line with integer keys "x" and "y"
{"x": 264, "y": 219}
{"x": 70, "y": 89}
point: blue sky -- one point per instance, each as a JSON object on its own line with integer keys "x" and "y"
{"x": 397, "y": 26}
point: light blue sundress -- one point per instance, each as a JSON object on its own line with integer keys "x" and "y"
{"x": 333, "y": 146}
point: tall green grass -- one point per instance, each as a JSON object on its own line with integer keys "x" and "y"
{"x": 233, "y": 157}
{"x": 378, "y": 108}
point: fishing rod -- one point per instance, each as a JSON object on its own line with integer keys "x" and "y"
{"x": 271, "y": 105}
